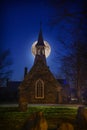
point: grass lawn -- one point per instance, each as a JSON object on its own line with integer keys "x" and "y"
{"x": 12, "y": 119}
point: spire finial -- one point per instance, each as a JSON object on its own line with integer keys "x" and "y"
{"x": 40, "y": 37}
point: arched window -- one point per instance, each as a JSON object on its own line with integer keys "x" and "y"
{"x": 39, "y": 89}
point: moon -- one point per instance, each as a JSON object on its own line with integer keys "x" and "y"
{"x": 47, "y": 48}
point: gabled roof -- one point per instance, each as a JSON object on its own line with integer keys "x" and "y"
{"x": 40, "y": 71}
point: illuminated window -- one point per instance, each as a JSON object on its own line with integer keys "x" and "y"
{"x": 39, "y": 89}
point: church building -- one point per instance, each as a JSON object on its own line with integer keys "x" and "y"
{"x": 39, "y": 85}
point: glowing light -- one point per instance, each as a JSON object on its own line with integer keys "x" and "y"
{"x": 47, "y": 48}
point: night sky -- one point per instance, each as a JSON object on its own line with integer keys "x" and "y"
{"x": 20, "y": 24}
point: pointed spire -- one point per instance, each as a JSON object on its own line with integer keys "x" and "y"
{"x": 40, "y": 37}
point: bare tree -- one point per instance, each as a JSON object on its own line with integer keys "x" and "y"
{"x": 74, "y": 66}
{"x": 69, "y": 17}
{"x": 5, "y": 63}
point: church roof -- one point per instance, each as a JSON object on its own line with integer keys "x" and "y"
{"x": 40, "y": 39}
{"x": 41, "y": 71}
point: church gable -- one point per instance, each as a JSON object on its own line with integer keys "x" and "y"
{"x": 40, "y": 84}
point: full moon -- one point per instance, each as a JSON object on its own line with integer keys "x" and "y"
{"x": 47, "y": 48}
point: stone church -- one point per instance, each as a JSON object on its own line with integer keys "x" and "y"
{"x": 39, "y": 85}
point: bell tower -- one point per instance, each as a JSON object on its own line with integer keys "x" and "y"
{"x": 40, "y": 49}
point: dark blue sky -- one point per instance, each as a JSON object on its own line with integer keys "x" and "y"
{"x": 20, "y": 23}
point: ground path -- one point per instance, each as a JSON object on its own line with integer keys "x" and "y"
{"x": 60, "y": 105}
